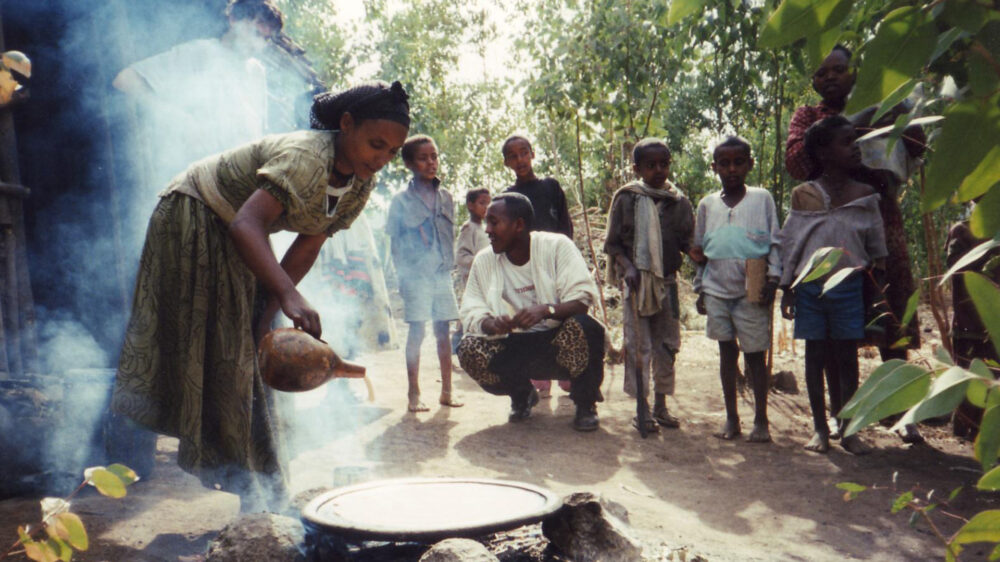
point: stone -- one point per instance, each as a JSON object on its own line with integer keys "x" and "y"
{"x": 587, "y": 528}
{"x": 458, "y": 550}
{"x": 784, "y": 381}
{"x": 261, "y": 537}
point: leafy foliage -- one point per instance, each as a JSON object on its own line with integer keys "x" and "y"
{"x": 65, "y": 532}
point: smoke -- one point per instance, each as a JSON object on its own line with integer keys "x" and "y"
{"x": 96, "y": 158}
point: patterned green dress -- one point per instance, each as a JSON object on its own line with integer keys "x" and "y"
{"x": 188, "y": 365}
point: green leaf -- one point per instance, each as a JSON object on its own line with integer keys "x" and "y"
{"x": 973, "y": 255}
{"x": 986, "y": 296}
{"x": 946, "y": 393}
{"x": 795, "y": 19}
{"x": 990, "y": 481}
{"x": 995, "y": 555}
{"x": 821, "y": 262}
{"x": 976, "y": 393}
{"x": 980, "y": 369}
{"x": 971, "y": 129}
{"x": 902, "y": 501}
{"x": 896, "y": 393}
{"x": 983, "y": 527}
{"x": 851, "y": 487}
{"x": 964, "y": 14}
{"x": 983, "y": 77}
{"x": 898, "y": 95}
{"x": 902, "y": 45}
{"x": 901, "y": 123}
{"x": 819, "y": 45}
{"x": 945, "y": 41}
{"x": 23, "y": 535}
{"x": 985, "y": 175}
{"x": 914, "y": 518}
{"x": 107, "y": 483}
{"x": 61, "y": 550}
{"x": 41, "y": 552}
{"x": 988, "y": 441}
{"x": 942, "y": 355}
{"x": 680, "y": 9}
{"x": 837, "y": 278}
{"x": 985, "y": 219}
{"x": 870, "y": 384}
{"x": 69, "y": 527}
{"x": 911, "y": 307}
{"x": 901, "y": 343}
{"x": 954, "y": 493}
{"x": 126, "y": 474}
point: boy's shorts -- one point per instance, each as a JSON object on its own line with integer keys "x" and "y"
{"x": 837, "y": 315}
{"x": 429, "y": 297}
{"x": 737, "y": 319}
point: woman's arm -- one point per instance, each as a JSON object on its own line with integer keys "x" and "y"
{"x": 249, "y": 231}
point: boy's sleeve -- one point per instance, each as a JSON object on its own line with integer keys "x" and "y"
{"x": 875, "y": 238}
{"x": 465, "y": 250}
{"x": 613, "y": 245}
{"x": 392, "y": 229}
{"x": 774, "y": 255}
{"x": 565, "y": 222}
{"x": 698, "y": 240}
{"x": 474, "y": 308}
{"x": 685, "y": 230}
{"x": 573, "y": 279}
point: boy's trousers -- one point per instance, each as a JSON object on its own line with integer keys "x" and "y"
{"x": 652, "y": 343}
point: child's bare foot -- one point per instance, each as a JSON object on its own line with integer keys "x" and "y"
{"x": 730, "y": 430}
{"x": 854, "y": 445}
{"x": 447, "y": 399}
{"x": 760, "y": 434}
{"x": 819, "y": 443}
{"x": 416, "y": 405}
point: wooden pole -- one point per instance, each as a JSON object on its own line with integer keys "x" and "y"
{"x": 586, "y": 223}
{"x": 939, "y": 307}
{"x": 19, "y": 309}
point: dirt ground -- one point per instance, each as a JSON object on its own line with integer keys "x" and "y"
{"x": 684, "y": 490}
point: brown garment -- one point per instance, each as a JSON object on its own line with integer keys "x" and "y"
{"x": 899, "y": 284}
{"x": 676, "y": 226}
{"x": 188, "y": 366}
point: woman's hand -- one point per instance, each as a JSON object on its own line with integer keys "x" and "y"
{"x": 302, "y": 315}
{"x": 788, "y": 304}
{"x": 699, "y": 304}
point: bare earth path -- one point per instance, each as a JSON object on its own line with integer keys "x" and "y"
{"x": 682, "y": 488}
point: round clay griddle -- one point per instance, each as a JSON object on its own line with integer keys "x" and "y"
{"x": 428, "y": 509}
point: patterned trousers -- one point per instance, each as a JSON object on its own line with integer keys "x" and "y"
{"x": 574, "y": 351}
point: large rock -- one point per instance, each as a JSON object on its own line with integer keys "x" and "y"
{"x": 589, "y": 528}
{"x": 261, "y": 537}
{"x": 458, "y": 550}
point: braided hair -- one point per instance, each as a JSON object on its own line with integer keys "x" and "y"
{"x": 372, "y": 100}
